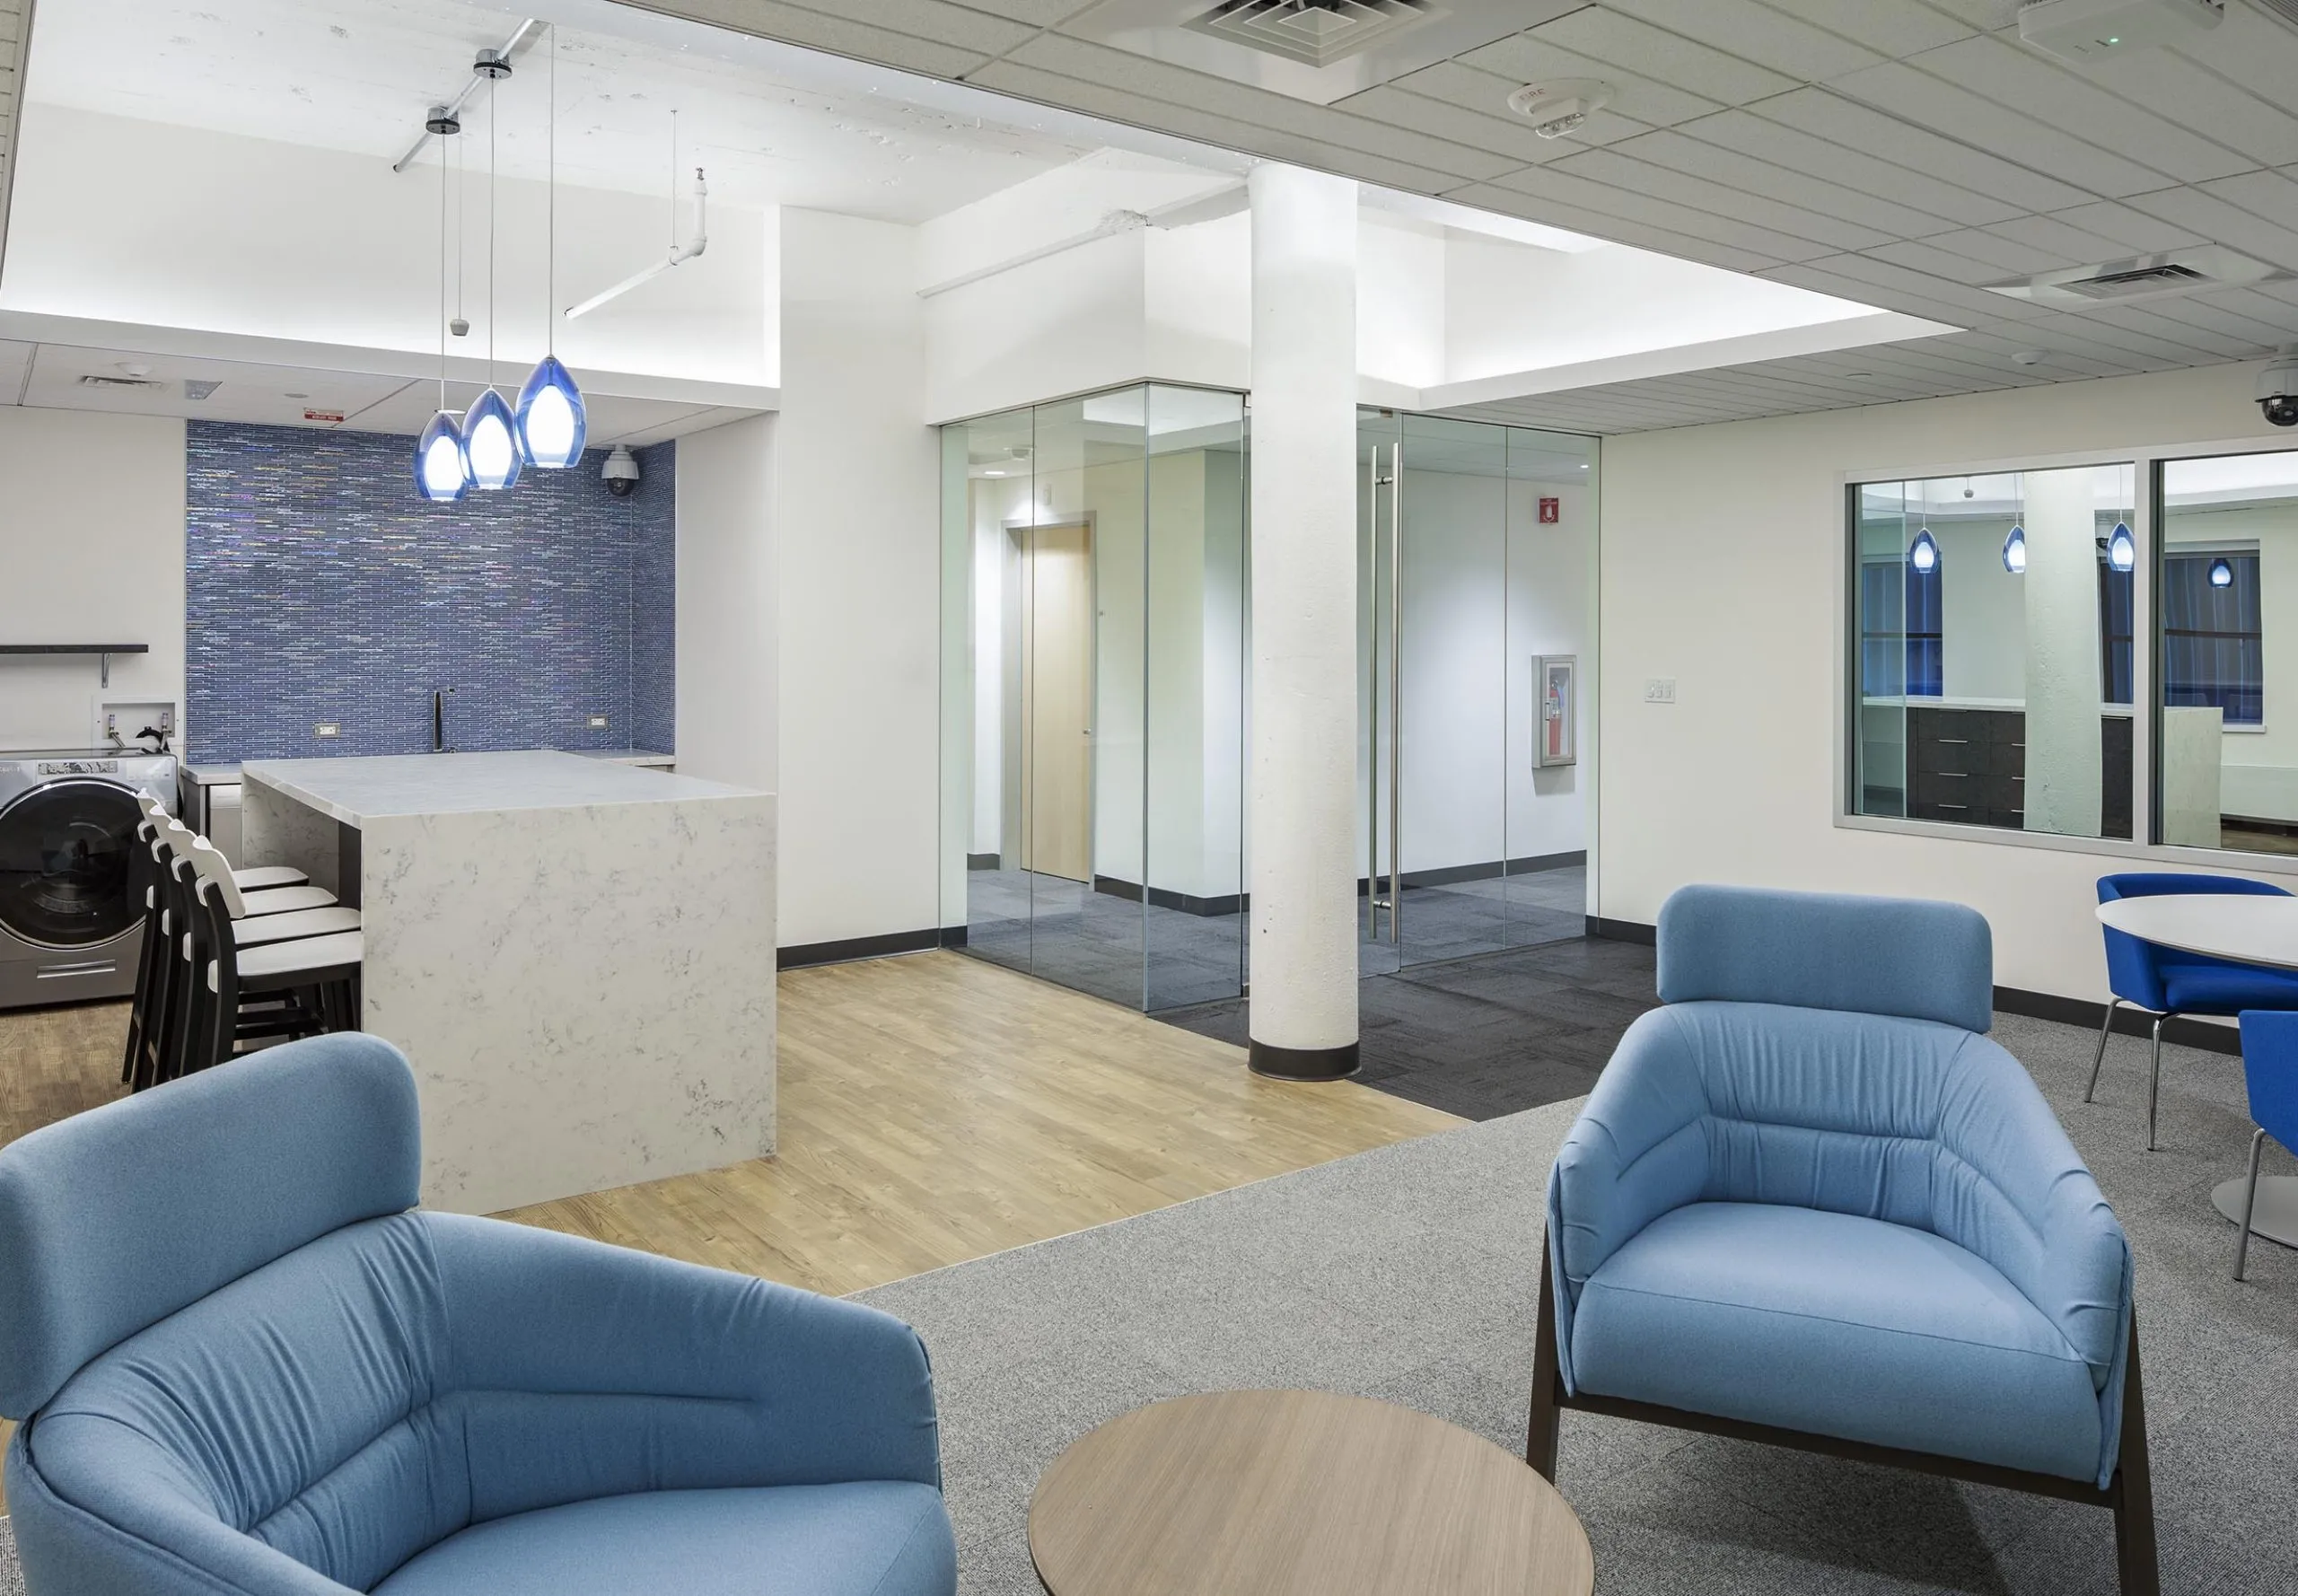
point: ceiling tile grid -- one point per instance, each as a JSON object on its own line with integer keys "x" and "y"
{"x": 1904, "y": 152}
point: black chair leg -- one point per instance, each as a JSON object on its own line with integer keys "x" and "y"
{"x": 2135, "y": 1564}
{"x": 1542, "y": 1428}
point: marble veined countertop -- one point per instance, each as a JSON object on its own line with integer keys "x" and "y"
{"x": 355, "y": 790}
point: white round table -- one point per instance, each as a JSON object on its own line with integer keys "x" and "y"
{"x": 2248, "y": 929}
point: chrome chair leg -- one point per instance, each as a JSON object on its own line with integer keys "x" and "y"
{"x": 2250, "y": 1203}
{"x": 2154, "y": 1081}
{"x": 2098, "y": 1059}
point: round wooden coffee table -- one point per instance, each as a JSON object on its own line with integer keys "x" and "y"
{"x": 1299, "y": 1494}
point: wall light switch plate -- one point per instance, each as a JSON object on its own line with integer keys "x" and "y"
{"x": 597, "y": 722}
{"x": 328, "y": 729}
{"x": 1659, "y": 689}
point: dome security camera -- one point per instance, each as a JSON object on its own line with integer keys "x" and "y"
{"x": 2277, "y": 391}
{"x": 621, "y": 472}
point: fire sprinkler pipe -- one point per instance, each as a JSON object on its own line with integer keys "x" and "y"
{"x": 679, "y": 254}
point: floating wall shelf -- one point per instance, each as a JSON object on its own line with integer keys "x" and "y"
{"x": 103, "y": 651}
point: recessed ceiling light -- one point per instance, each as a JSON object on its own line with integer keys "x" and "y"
{"x": 993, "y": 473}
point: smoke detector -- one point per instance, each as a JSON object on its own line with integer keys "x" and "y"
{"x": 2144, "y": 276}
{"x": 2094, "y": 30}
{"x": 1561, "y": 105}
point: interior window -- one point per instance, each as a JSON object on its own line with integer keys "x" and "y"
{"x": 2227, "y": 744}
{"x": 1996, "y": 630}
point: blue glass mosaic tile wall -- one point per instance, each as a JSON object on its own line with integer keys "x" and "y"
{"x": 320, "y": 588}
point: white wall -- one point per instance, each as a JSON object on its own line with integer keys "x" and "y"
{"x": 858, "y": 506}
{"x": 728, "y": 606}
{"x": 91, "y": 550}
{"x": 1721, "y": 567}
{"x": 122, "y": 220}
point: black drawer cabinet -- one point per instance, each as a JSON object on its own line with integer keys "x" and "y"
{"x": 1969, "y": 766}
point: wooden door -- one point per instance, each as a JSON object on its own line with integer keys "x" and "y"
{"x": 1057, "y": 715}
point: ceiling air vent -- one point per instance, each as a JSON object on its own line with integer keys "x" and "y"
{"x": 2148, "y": 276}
{"x": 1318, "y": 32}
{"x": 1320, "y": 51}
{"x": 2144, "y": 279}
{"x": 93, "y": 380}
{"x": 2287, "y": 10}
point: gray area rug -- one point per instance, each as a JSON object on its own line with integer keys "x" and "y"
{"x": 1410, "y": 1273}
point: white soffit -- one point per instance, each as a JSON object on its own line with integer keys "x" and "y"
{"x": 1899, "y": 153}
{"x": 2230, "y": 479}
{"x": 277, "y": 381}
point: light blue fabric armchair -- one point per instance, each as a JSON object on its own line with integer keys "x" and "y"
{"x": 1809, "y": 1204}
{"x": 244, "y": 1366}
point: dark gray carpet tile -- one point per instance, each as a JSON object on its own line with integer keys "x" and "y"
{"x": 1484, "y": 1037}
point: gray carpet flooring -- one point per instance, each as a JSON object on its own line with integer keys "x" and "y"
{"x": 1409, "y": 1274}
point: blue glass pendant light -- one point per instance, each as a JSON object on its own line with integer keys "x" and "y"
{"x": 491, "y": 442}
{"x": 2014, "y": 551}
{"x": 441, "y": 467}
{"x": 552, "y": 420}
{"x": 2222, "y": 575}
{"x": 2122, "y": 550}
{"x": 1922, "y": 554}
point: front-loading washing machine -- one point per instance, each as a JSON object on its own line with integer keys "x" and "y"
{"x": 67, "y": 821}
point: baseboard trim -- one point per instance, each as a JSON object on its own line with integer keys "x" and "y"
{"x": 2186, "y": 1030}
{"x": 1302, "y": 1064}
{"x": 1115, "y": 886}
{"x": 1623, "y": 930}
{"x": 1485, "y": 870}
{"x": 845, "y": 951}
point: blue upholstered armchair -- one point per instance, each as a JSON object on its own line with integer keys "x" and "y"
{"x": 244, "y": 1366}
{"x": 1809, "y": 1204}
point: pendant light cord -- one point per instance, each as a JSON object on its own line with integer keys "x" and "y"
{"x": 492, "y": 85}
{"x": 443, "y": 273}
{"x": 550, "y": 249}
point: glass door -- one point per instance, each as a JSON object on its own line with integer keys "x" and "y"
{"x": 1476, "y": 548}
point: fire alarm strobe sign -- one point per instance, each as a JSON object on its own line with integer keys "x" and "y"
{"x": 1551, "y": 512}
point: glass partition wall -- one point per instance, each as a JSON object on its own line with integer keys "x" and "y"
{"x": 1476, "y": 561}
{"x": 1093, "y": 692}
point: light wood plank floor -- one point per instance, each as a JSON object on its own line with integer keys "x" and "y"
{"x": 933, "y": 1108}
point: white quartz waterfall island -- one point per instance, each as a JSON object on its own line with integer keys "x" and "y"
{"x": 576, "y": 956}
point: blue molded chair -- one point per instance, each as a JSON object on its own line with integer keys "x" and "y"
{"x": 2270, "y": 1068}
{"x": 2167, "y": 982}
{"x": 1808, "y": 1204}
{"x": 245, "y": 1368}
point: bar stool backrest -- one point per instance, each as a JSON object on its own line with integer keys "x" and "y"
{"x": 215, "y": 873}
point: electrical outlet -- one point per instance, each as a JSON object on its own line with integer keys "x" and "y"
{"x": 1659, "y": 689}
{"x": 326, "y": 729}
{"x": 596, "y": 723}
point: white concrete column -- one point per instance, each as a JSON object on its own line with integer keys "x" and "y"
{"x": 2063, "y": 740}
{"x": 1304, "y": 1009}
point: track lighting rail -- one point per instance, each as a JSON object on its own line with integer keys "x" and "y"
{"x": 490, "y": 64}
